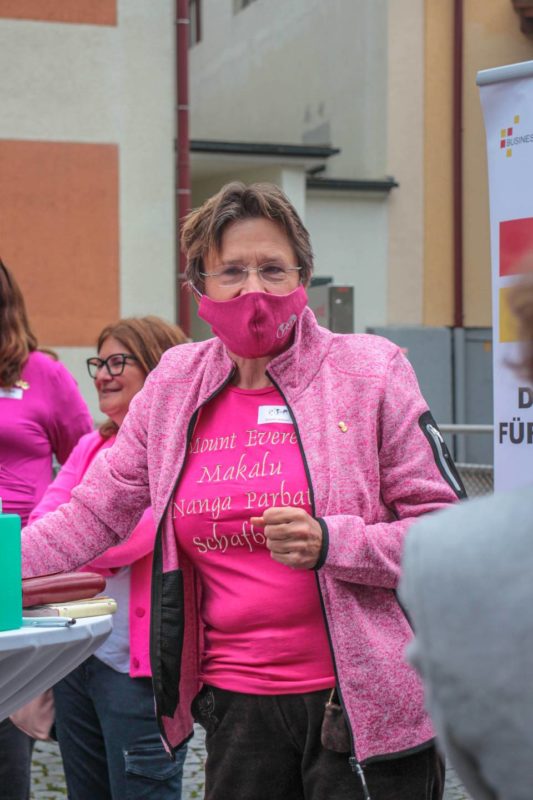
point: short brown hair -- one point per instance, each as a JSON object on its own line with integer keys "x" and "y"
{"x": 17, "y": 339}
{"x": 146, "y": 338}
{"x": 203, "y": 228}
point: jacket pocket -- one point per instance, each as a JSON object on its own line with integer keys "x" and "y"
{"x": 148, "y": 766}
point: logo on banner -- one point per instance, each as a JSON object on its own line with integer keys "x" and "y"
{"x": 509, "y": 138}
{"x": 516, "y": 245}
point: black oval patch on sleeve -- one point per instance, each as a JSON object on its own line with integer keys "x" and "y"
{"x": 442, "y": 456}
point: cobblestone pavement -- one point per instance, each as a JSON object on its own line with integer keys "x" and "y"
{"x": 47, "y": 779}
{"x": 48, "y": 782}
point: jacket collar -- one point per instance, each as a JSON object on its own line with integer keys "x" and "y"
{"x": 296, "y": 367}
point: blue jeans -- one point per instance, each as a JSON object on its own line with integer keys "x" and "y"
{"x": 109, "y": 739}
{"x": 15, "y": 762}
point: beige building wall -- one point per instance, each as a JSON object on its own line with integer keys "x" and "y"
{"x": 438, "y": 164}
{"x": 492, "y": 37}
{"x": 405, "y": 128}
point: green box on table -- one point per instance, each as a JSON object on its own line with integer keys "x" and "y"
{"x": 11, "y": 575}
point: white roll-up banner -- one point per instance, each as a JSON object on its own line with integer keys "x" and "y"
{"x": 507, "y": 101}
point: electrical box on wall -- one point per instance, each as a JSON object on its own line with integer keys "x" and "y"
{"x": 332, "y": 305}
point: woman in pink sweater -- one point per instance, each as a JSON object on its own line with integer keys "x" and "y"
{"x": 284, "y": 464}
{"x": 105, "y": 719}
{"x": 42, "y": 414}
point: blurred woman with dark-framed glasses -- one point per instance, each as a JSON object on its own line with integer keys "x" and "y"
{"x": 105, "y": 718}
{"x": 114, "y": 364}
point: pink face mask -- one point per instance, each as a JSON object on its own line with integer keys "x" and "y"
{"x": 254, "y": 324}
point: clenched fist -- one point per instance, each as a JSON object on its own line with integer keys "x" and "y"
{"x": 293, "y": 537}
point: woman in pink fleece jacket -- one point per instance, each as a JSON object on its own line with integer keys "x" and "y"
{"x": 284, "y": 464}
{"x": 105, "y": 720}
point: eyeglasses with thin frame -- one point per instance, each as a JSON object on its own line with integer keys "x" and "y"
{"x": 114, "y": 364}
{"x": 271, "y": 273}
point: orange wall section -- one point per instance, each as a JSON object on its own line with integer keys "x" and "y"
{"x": 59, "y": 233}
{"x": 88, "y": 12}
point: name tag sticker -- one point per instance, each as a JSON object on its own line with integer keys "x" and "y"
{"x": 13, "y": 393}
{"x": 267, "y": 414}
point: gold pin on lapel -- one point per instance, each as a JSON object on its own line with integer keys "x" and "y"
{"x": 22, "y": 384}
{"x": 343, "y": 427}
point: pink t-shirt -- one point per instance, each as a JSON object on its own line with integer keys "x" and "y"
{"x": 263, "y": 624}
{"x": 45, "y": 414}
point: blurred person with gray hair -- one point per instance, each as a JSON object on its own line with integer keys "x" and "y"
{"x": 467, "y": 585}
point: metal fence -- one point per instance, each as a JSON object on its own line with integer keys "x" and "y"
{"x": 477, "y": 478}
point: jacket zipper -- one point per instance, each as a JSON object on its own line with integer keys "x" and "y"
{"x": 190, "y": 430}
{"x": 352, "y": 760}
{"x": 439, "y": 441}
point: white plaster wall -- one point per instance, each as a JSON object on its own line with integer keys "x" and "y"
{"x": 349, "y": 237}
{"x": 91, "y": 83}
{"x": 74, "y": 359}
{"x": 276, "y": 71}
{"x": 291, "y": 181}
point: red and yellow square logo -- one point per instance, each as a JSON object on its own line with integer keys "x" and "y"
{"x": 505, "y": 135}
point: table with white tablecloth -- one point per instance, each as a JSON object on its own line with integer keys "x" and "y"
{"x": 34, "y": 659}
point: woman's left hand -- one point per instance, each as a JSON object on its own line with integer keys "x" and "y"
{"x": 293, "y": 537}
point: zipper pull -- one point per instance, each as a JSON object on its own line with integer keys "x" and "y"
{"x": 356, "y": 767}
{"x": 434, "y": 432}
